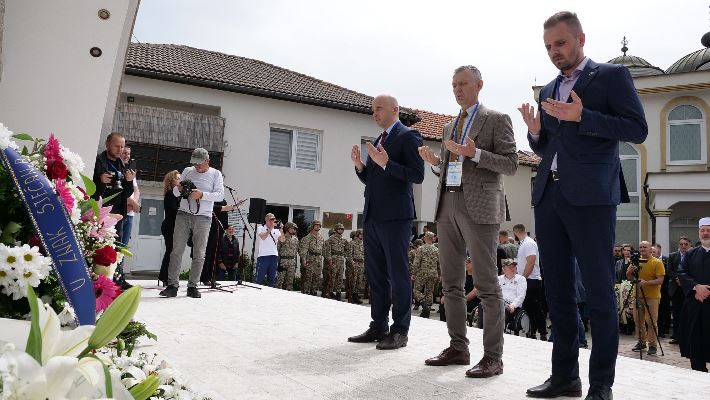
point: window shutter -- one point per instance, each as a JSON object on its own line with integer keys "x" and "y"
{"x": 280, "y": 147}
{"x": 307, "y": 150}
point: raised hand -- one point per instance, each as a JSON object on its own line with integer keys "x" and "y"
{"x": 428, "y": 155}
{"x": 531, "y": 119}
{"x": 356, "y": 158}
{"x": 564, "y": 111}
{"x": 378, "y": 154}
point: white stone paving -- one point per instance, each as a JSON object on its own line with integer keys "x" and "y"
{"x": 274, "y": 344}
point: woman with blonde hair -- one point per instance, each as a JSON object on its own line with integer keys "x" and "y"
{"x": 170, "y": 205}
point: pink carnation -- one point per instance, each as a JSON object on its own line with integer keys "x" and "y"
{"x": 106, "y": 291}
{"x": 65, "y": 194}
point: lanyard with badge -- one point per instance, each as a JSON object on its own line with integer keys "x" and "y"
{"x": 455, "y": 168}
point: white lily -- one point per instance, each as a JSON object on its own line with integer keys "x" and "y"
{"x": 61, "y": 375}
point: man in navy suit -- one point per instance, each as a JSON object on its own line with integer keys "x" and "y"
{"x": 583, "y": 115}
{"x": 391, "y": 169}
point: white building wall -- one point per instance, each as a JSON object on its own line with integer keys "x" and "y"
{"x": 50, "y": 82}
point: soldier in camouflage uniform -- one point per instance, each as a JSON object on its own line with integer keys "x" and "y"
{"x": 311, "y": 252}
{"x": 288, "y": 250}
{"x": 426, "y": 265}
{"x": 413, "y": 246}
{"x": 356, "y": 272}
{"x": 334, "y": 255}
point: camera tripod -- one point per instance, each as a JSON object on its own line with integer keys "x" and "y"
{"x": 219, "y": 228}
{"x": 636, "y": 288}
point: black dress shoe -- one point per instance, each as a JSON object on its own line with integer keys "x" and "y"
{"x": 368, "y": 336}
{"x": 599, "y": 392}
{"x": 392, "y": 341}
{"x": 193, "y": 292}
{"x": 556, "y": 387}
{"x": 125, "y": 285}
{"x": 169, "y": 291}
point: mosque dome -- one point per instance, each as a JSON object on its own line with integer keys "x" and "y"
{"x": 636, "y": 65}
{"x": 695, "y": 61}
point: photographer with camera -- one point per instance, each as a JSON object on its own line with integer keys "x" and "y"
{"x": 647, "y": 272}
{"x": 268, "y": 261}
{"x": 113, "y": 177}
{"x": 200, "y": 187}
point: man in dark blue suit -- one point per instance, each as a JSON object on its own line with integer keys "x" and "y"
{"x": 391, "y": 169}
{"x": 583, "y": 115}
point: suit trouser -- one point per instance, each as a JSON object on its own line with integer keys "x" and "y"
{"x": 387, "y": 267}
{"x": 565, "y": 231}
{"x": 185, "y": 223}
{"x": 458, "y": 233}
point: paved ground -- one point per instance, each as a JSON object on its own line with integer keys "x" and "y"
{"x": 274, "y": 344}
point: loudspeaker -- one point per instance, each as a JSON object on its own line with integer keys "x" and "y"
{"x": 257, "y": 210}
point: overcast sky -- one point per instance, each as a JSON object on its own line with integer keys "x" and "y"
{"x": 410, "y": 48}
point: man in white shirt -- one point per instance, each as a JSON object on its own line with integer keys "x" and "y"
{"x": 194, "y": 215}
{"x": 529, "y": 267}
{"x": 268, "y": 260}
{"x": 513, "y": 285}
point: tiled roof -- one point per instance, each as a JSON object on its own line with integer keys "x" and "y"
{"x": 432, "y": 124}
{"x": 216, "y": 70}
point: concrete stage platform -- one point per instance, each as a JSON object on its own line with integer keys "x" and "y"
{"x": 274, "y": 344}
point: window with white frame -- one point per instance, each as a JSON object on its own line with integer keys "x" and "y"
{"x": 294, "y": 148}
{"x": 363, "y": 147}
{"x": 628, "y": 227}
{"x": 686, "y": 136}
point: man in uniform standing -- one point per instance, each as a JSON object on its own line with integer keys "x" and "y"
{"x": 288, "y": 249}
{"x": 356, "y": 278}
{"x": 311, "y": 252}
{"x": 425, "y": 273}
{"x": 334, "y": 256}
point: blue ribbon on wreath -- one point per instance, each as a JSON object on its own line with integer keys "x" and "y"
{"x": 56, "y": 231}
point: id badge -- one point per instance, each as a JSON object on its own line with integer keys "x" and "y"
{"x": 453, "y": 173}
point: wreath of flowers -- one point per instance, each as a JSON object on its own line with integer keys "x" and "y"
{"x": 23, "y": 261}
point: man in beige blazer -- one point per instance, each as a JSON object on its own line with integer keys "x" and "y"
{"x": 478, "y": 148}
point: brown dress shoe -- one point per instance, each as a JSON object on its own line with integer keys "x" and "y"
{"x": 486, "y": 368}
{"x": 450, "y": 356}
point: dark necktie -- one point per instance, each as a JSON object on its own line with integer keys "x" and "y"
{"x": 383, "y": 136}
{"x": 458, "y": 133}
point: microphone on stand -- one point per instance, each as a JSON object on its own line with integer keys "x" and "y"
{"x": 230, "y": 188}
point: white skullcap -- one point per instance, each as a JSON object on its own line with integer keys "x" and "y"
{"x": 703, "y": 221}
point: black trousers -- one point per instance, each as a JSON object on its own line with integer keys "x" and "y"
{"x": 533, "y": 306}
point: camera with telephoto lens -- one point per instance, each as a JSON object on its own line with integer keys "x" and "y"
{"x": 187, "y": 187}
{"x": 115, "y": 183}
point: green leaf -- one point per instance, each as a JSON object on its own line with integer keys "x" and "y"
{"x": 89, "y": 185}
{"x": 22, "y": 136}
{"x": 126, "y": 252}
{"x": 114, "y": 319}
{"x": 25, "y": 151}
{"x": 109, "y": 198}
{"x": 95, "y": 207}
{"x": 34, "y": 340}
{"x": 9, "y": 231}
{"x": 145, "y": 389}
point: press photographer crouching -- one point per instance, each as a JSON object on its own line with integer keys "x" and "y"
{"x": 200, "y": 187}
{"x": 648, "y": 272}
{"x": 113, "y": 178}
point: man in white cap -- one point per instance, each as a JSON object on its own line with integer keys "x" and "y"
{"x": 694, "y": 277}
{"x": 194, "y": 215}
